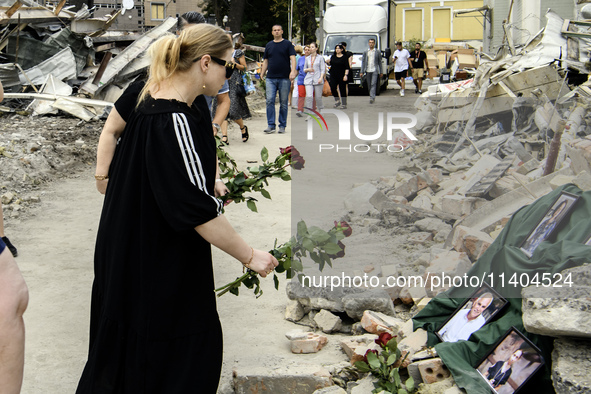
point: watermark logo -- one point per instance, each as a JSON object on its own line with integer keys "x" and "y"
{"x": 317, "y": 117}
{"x": 394, "y": 126}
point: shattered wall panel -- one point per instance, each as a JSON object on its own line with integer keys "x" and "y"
{"x": 31, "y": 52}
{"x": 62, "y": 66}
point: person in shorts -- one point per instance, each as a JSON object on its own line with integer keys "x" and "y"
{"x": 418, "y": 65}
{"x": 400, "y": 58}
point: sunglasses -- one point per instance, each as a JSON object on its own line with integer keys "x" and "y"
{"x": 230, "y": 67}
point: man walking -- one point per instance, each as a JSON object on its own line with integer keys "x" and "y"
{"x": 419, "y": 65}
{"x": 400, "y": 57}
{"x": 280, "y": 65}
{"x": 371, "y": 66}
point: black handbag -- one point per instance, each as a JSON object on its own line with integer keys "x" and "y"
{"x": 240, "y": 89}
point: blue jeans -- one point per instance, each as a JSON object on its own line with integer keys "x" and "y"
{"x": 274, "y": 85}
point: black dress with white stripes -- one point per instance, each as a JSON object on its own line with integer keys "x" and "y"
{"x": 154, "y": 323}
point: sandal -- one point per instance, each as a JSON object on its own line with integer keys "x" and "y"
{"x": 245, "y": 133}
{"x": 225, "y": 142}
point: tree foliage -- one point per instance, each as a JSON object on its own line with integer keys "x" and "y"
{"x": 255, "y": 18}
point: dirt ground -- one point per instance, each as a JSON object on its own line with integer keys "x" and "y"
{"x": 56, "y": 236}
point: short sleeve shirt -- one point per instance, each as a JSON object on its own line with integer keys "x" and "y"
{"x": 402, "y": 60}
{"x": 418, "y": 60}
{"x": 127, "y": 102}
{"x": 278, "y": 56}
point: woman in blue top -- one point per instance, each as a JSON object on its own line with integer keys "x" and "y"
{"x": 300, "y": 80}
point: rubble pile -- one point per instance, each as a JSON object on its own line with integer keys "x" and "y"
{"x": 487, "y": 147}
{"x": 37, "y": 150}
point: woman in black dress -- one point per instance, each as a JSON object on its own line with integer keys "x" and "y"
{"x": 238, "y": 107}
{"x": 339, "y": 76}
{"x": 154, "y": 326}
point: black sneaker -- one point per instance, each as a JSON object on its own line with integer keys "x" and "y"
{"x": 10, "y": 246}
{"x": 337, "y": 104}
{"x": 416, "y": 90}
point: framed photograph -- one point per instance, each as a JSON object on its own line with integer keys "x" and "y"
{"x": 549, "y": 223}
{"x": 511, "y": 363}
{"x": 474, "y": 313}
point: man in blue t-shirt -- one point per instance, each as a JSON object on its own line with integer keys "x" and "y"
{"x": 280, "y": 65}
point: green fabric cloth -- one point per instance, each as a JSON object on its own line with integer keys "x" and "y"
{"x": 563, "y": 250}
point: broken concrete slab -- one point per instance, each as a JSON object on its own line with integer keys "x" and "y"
{"x": 560, "y": 311}
{"x": 294, "y": 311}
{"x": 571, "y": 365}
{"x": 349, "y": 344}
{"x": 304, "y": 379}
{"x": 374, "y": 299}
{"x": 327, "y": 322}
{"x": 316, "y": 298}
{"x": 377, "y": 323}
{"x": 470, "y": 241}
{"x": 357, "y": 200}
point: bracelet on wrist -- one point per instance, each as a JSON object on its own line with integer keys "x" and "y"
{"x": 247, "y": 265}
{"x": 101, "y": 177}
{"x": 219, "y": 180}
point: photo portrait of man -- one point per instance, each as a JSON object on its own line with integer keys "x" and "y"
{"x": 467, "y": 320}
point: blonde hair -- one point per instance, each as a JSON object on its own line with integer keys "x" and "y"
{"x": 299, "y": 49}
{"x": 171, "y": 54}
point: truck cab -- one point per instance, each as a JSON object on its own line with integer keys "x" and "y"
{"x": 355, "y": 22}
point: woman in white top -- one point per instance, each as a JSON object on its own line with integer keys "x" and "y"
{"x": 315, "y": 69}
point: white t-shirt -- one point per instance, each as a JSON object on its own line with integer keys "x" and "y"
{"x": 402, "y": 60}
{"x": 460, "y": 327}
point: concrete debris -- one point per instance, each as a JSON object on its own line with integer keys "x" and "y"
{"x": 571, "y": 366}
{"x": 560, "y": 312}
{"x": 41, "y": 43}
{"x": 300, "y": 379}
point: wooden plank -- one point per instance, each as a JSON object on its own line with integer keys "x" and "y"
{"x": 105, "y": 47}
{"x": 59, "y": 7}
{"x": 13, "y": 8}
{"x": 506, "y": 89}
{"x": 486, "y": 183}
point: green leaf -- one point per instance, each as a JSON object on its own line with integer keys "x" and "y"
{"x": 309, "y": 245}
{"x": 251, "y": 205}
{"x": 276, "y": 281}
{"x": 410, "y": 384}
{"x": 297, "y": 265}
{"x": 302, "y": 228}
{"x": 392, "y": 345}
{"x": 396, "y": 377}
{"x": 265, "y": 194}
{"x": 391, "y": 359}
{"x": 286, "y": 176}
{"x": 318, "y": 235}
{"x": 331, "y": 248}
{"x": 264, "y": 154}
{"x": 373, "y": 361}
{"x": 362, "y": 366}
{"x": 234, "y": 290}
